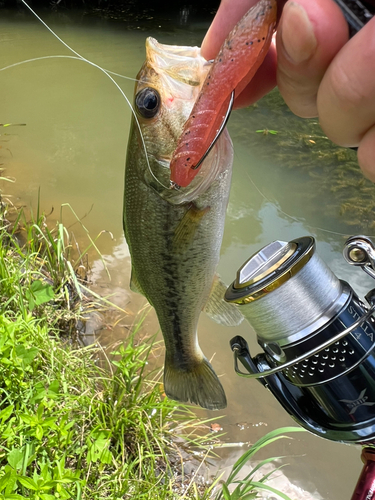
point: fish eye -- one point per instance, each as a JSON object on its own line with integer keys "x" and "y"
{"x": 147, "y": 102}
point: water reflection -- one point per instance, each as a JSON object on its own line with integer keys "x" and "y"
{"x": 73, "y": 148}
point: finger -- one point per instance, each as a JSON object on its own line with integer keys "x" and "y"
{"x": 346, "y": 98}
{"x": 366, "y": 154}
{"x": 309, "y": 36}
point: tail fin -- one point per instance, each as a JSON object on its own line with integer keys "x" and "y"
{"x": 198, "y": 385}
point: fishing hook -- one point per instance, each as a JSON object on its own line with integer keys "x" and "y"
{"x": 226, "y": 117}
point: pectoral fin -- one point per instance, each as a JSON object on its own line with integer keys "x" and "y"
{"x": 186, "y": 230}
{"x": 220, "y": 311}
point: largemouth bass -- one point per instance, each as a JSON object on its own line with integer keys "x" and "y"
{"x": 174, "y": 236}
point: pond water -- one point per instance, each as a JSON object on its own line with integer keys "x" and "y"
{"x": 285, "y": 185}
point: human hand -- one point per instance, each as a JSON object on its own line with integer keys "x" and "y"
{"x": 318, "y": 71}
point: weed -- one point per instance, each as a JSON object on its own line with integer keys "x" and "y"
{"x": 70, "y": 428}
{"x": 248, "y": 487}
{"x": 300, "y": 144}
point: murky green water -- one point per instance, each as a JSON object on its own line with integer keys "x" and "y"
{"x": 285, "y": 185}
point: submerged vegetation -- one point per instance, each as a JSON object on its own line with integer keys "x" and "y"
{"x": 300, "y": 144}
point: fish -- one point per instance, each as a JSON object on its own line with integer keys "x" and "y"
{"x": 235, "y": 65}
{"x": 174, "y": 233}
{"x": 174, "y": 236}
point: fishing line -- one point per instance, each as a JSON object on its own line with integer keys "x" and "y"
{"x": 65, "y": 57}
{"x": 80, "y": 57}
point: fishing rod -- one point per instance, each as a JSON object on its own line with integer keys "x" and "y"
{"x": 356, "y": 13}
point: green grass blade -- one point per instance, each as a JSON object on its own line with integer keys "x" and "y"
{"x": 262, "y": 486}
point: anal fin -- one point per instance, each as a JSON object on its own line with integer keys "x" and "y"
{"x": 220, "y": 311}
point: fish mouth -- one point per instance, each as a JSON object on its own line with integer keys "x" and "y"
{"x": 212, "y": 168}
{"x": 182, "y": 63}
{"x": 180, "y": 72}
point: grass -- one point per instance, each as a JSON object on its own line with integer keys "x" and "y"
{"x": 69, "y": 426}
{"x": 248, "y": 487}
{"x": 68, "y": 430}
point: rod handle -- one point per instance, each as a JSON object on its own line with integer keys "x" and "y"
{"x": 365, "y": 488}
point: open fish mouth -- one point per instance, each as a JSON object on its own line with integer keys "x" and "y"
{"x": 211, "y": 169}
{"x": 169, "y": 84}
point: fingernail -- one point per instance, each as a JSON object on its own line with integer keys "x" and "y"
{"x": 297, "y": 33}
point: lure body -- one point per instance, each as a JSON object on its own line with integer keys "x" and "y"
{"x": 237, "y": 62}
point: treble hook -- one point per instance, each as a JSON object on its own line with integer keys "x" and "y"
{"x": 226, "y": 117}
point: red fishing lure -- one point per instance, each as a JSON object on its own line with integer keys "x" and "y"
{"x": 237, "y": 62}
